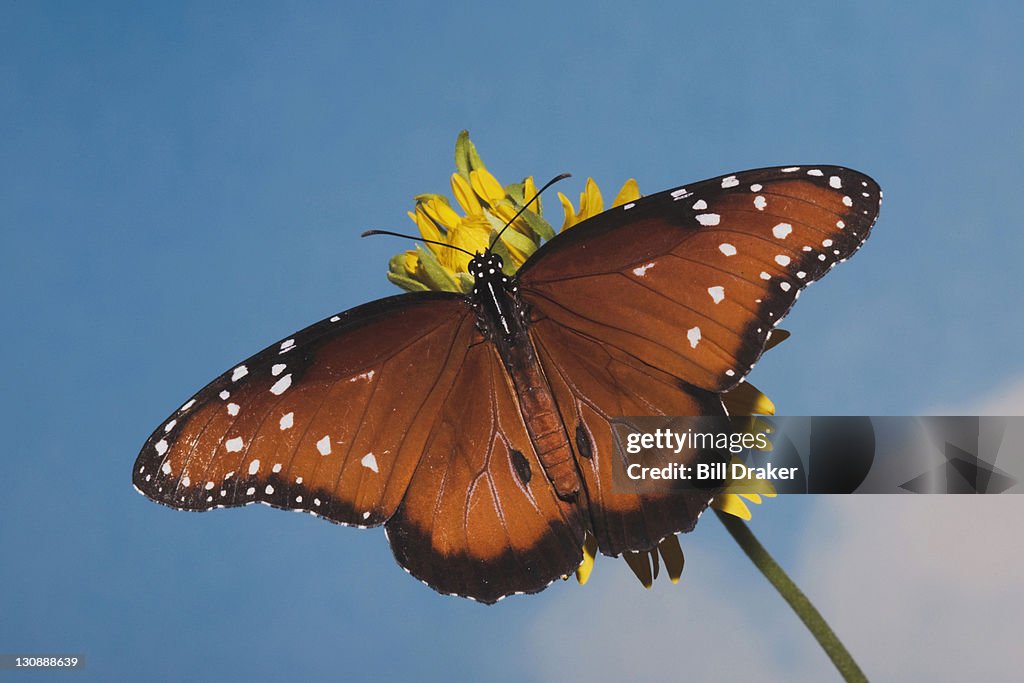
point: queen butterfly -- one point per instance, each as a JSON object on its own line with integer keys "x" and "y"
{"x": 476, "y": 428}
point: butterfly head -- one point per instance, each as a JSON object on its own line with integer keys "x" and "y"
{"x": 485, "y": 265}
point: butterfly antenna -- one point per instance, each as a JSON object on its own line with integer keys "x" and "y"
{"x": 561, "y": 176}
{"x": 368, "y": 233}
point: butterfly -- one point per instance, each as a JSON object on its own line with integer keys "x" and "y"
{"x": 477, "y": 428}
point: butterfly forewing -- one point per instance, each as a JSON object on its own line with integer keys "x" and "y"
{"x": 692, "y": 280}
{"x": 331, "y": 420}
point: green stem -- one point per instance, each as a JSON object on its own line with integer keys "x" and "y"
{"x": 789, "y": 591}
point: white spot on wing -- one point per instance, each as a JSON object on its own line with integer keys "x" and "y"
{"x": 693, "y": 334}
{"x": 847, "y": 201}
{"x": 629, "y": 206}
{"x": 287, "y": 345}
{"x": 368, "y": 375}
{"x": 708, "y": 219}
{"x": 277, "y": 369}
{"x": 170, "y": 425}
{"x": 681, "y": 193}
{"x": 269, "y": 490}
{"x": 225, "y": 395}
{"x": 161, "y": 447}
{"x": 166, "y": 468}
{"x": 240, "y": 372}
{"x": 366, "y": 515}
{"x": 730, "y": 182}
{"x": 727, "y": 249}
{"x": 369, "y": 461}
{"x": 234, "y": 445}
{"x": 782, "y": 260}
{"x": 642, "y": 270}
{"x": 815, "y": 172}
{"x": 785, "y": 286}
{"x": 717, "y": 293}
{"x": 760, "y": 202}
{"x": 281, "y": 385}
{"x": 756, "y": 187}
{"x": 185, "y": 481}
{"x": 324, "y": 445}
{"x": 233, "y": 409}
{"x": 335, "y": 318}
{"x": 700, "y": 205}
{"x": 276, "y": 468}
{"x": 790, "y": 169}
{"x": 782, "y": 230}
{"x": 287, "y": 421}
{"x": 254, "y": 466}
{"x": 188, "y": 405}
{"x": 835, "y": 182}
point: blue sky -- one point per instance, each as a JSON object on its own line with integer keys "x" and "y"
{"x": 184, "y": 183}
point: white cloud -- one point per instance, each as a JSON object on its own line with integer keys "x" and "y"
{"x": 1008, "y": 399}
{"x": 925, "y": 587}
{"x": 918, "y": 587}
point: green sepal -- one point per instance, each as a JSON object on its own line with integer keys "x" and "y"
{"x": 465, "y": 281}
{"x": 466, "y": 156}
{"x": 396, "y": 264}
{"x": 407, "y": 283}
{"x": 519, "y": 241}
{"x": 538, "y": 225}
{"x": 429, "y": 195}
{"x": 433, "y": 274}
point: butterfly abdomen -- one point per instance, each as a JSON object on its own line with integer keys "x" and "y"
{"x": 540, "y": 413}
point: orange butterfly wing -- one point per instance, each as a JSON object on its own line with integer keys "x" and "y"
{"x": 692, "y": 280}
{"x": 313, "y": 422}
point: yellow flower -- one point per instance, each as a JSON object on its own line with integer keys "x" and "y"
{"x": 486, "y": 207}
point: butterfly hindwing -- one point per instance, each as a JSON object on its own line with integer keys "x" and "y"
{"x": 594, "y": 383}
{"x": 480, "y": 518}
{"x": 692, "y": 280}
{"x": 331, "y": 420}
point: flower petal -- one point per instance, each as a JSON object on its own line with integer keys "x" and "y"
{"x": 589, "y": 556}
{"x": 640, "y": 563}
{"x": 591, "y": 201}
{"x": 441, "y": 213}
{"x": 465, "y": 196}
{"x": 672, "y": 553}
{"x": 630, "y": 192}
{"x": 732, "y": 504}
{"x": 570, "y": 212}
{"x": 486, "y": 186}
{"x": 746, "y": 399}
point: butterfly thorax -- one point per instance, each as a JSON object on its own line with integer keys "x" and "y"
{"x": 499, "y": 308}
{"x": 502, "y": 320}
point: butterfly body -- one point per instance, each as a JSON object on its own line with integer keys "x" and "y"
{"x": 477, "y": 429}
{"x": 502, "y": 318}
